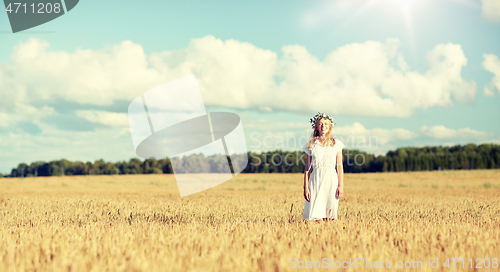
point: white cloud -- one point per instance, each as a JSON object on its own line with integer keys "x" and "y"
{"x": 230, "y": 73}
{"x": 104, "y": 117}
{"x": 263, "y": 125}
{"x": 36, "y": 75}
{"x": 493, "y": 141}
{"x": 492, "y": 65}
{"x": 354, "y": 135}
{"x": 19, "y": 112}
{"x": 112, "y": 144}
{"x": 442, "y": 132}
{"x": 272, "y": 140}
{"x": 488, "y": 91}
{"x": 96, "y": 77}
{"x": 367, "y": 79}
{"x": 295, "y": 133}
{"x": 265, "y": 109}
{"x": 358, "y": 79}
{"x": 491, "y": 10}
{"x": 370, "y": 78}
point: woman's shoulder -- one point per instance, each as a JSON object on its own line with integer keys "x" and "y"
{"x": 312, "y": 145}
{"x": 339, "y": 145}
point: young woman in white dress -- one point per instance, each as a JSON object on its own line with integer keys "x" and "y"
{"x": 324, "y": 184}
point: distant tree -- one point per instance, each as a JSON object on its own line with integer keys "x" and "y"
{"x": 470, "y": 156}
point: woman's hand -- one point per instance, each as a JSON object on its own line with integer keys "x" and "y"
{"x": 307, "y": 194}
{"x": 340, "y": 192}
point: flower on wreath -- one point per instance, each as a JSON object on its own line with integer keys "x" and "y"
{"x": 319, "y": 116}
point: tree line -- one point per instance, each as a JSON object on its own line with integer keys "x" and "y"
{"x": 470, "y": 156}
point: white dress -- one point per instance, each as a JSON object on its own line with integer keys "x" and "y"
{"x": 323, "y": 182}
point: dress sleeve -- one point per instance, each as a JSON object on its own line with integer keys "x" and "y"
{"x": 306, "y": 149}
{"x": 339, "y": 144}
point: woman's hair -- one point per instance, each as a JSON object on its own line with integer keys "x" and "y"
{"x": 315, "y": 134}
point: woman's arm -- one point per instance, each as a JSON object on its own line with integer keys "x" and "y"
{"x": 340, "y": 173}
{"x": 307, "y": 193}
{"x": 306, "y": 172}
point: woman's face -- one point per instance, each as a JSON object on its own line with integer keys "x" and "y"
{"x": 323, "y": 126}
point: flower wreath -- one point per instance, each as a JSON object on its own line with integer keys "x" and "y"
{"x": 319, "y": 116}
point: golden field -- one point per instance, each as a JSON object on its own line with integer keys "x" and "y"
{"x": 140, "y": 223}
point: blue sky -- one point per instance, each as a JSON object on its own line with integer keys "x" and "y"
{"x": 411, "y": 73}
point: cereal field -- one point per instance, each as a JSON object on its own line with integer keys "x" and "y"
{"x": 251, "y": 223}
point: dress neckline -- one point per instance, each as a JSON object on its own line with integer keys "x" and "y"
{"x": 317, "y": 141}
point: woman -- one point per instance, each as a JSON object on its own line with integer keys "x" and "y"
{"x": 324, "y": 185}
